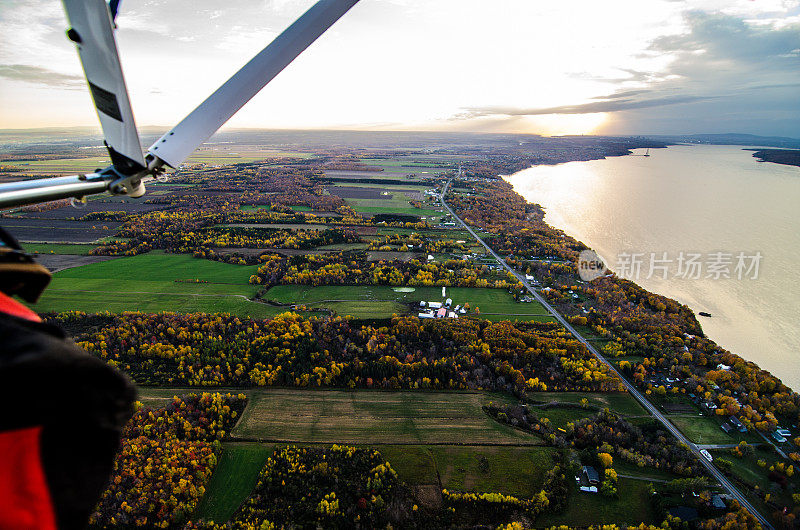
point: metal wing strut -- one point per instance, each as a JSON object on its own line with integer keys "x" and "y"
{"x": 175, "y": 146}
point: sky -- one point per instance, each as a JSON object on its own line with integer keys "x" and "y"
{"x": 524, "y": 66}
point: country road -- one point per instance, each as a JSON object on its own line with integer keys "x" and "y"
{"x": 716, "y": 473}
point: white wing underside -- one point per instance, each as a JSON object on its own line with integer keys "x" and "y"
{"x": 93, "y": 31}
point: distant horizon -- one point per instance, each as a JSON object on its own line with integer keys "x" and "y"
{"x": 89, "y": 129}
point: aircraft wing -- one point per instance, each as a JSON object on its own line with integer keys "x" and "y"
{"x": 92, "y": 30}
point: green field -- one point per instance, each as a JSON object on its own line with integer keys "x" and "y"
{"x": 511, "y": 470}
{"x": 59, "y": 248}
{"x": 397, "y": 204}
{"x": 234, "y": 478}
{"x": 373, "y": 417}
{"x": 147, "y": 283}
{"x": 433, "y": 233}
{"x": 61, "y": 165}
{"x": 380, "y": 301}
{"x": 410, "y": 187}
{"x": 706, "y": 430}
{"x": 561, "y": 416}
{"x": 620, "y": 402}
{"x": 584, "y": 509}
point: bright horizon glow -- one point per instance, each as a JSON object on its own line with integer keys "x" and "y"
{"x": 460, "y": 65}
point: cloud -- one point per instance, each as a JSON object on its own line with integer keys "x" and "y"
{"x": 624, "y": 94}
{"x": 40, "y": 76}
{"x": 718, "y": 45}
{"x": 721, "y": 64}
{"x": 612, "y": 105}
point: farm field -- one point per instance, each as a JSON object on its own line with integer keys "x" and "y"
{"x": 61, "y": 166}
{"x": 59, "y": 248}
{"x": 102, "y": 204}
{"x": 706, "y": 430}
{"x": 620, "y": 402}
{"x": 358, "y": 299}
{"x": 233, "y": 479}
{"x": 279, "y": 226}
{"x": 584, "y": 509}
{"x": 374, "y": 417}
{"x": 435, "y": 233}
{"x": 510, "y": 471}
{"x": 398, "y": 204}
{"x": 561, "y": 416}
{"x": 60, "y": 230}
{"x": 413, "y": 187}
{"x": 148, "y": 283}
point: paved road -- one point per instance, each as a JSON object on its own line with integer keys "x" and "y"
{"x": 716, "y": 473}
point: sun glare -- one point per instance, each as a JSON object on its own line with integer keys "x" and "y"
{"x": 564, "y": 124}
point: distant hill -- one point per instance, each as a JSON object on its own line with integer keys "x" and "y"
{"x": 731, "y": 139}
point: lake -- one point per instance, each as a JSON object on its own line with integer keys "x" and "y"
{"x": 710, "y": 204}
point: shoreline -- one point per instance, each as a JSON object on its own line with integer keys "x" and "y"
{"x": 668, "y": 291}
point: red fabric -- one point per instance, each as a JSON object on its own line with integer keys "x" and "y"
{"x": 24, "y": 497}
{"x": 11, "y": 307}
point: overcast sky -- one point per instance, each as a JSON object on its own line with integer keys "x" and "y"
{"x": 534, "y": 66}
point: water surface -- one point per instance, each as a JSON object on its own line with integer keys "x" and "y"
{"x": 693, "y": 199}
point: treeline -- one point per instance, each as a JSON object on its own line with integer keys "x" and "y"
{"x": 407, "y": 353}
{"x": 166, "y": 460}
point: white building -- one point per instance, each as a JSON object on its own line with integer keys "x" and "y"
{"x": 434, "y": 305}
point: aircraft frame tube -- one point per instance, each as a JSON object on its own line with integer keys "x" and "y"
{"x": 51, "y": 189}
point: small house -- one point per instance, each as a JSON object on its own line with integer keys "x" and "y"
{"x": 434, "y": 305}
{"x": 441, "y": 313}
{"x": 710, "y": 406}
{"x": 717, "y": 503}
{"x": 778, "y": 438}
{"x": 591, "y": 475}
{"x": 738, "y": 424}
{"x": 448, "y": 302}
{"x": 726, "y": 427}
{"x": 426, "y": 314}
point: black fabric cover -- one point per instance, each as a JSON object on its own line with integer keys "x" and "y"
{"x": 81, "y": 402}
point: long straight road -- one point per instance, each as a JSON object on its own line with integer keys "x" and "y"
{"x": 712, "y": 469}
